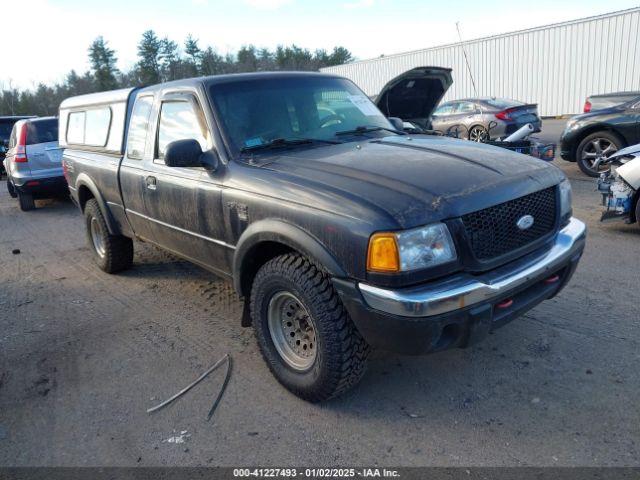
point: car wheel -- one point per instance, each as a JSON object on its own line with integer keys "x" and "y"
{"x": 113, "y": 253}
{"x": 478, "y": 134}
{"x": 11, "y": 189}
{"x": 26, "y": 201}
{"x": 595, "y": 148}
{"x": 304, "y": 332}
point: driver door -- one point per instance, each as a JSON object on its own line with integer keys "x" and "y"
{"x": 171, "y": 193}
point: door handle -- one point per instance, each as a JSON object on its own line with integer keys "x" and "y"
{"x": 151, "y": 183}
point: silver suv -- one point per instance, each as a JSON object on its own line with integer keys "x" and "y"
{"x": 33, "y": 162}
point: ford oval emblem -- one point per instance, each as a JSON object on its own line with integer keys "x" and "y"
{"x": 524, "y": 223}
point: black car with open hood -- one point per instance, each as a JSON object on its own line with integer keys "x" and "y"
{"x": 413, "y": 95}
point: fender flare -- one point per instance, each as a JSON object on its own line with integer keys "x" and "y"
{"x": 279, "y": 231}
{"x": 84, "y": 180}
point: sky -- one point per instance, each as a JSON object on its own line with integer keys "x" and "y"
{"x": 42, "y": 40}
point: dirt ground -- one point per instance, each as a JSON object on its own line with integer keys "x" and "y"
{"x": 83, "y": 354}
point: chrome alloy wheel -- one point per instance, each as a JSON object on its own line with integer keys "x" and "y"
{"x": 97, "y": 238}
{"x": 292, "y": 330}
{"x": 478, "y": 134}
{"x": 596, "y": 151}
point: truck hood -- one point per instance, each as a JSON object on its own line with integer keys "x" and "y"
{"x": 414, "y": 95}
{"x": 413, "y": 180}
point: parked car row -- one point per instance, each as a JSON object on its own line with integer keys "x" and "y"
{"x": 609, "y": 122}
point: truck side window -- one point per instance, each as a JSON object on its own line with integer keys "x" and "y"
{"x": 138, "y": 126}
{"x": 179, "y": 121}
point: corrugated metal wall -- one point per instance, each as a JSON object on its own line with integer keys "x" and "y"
{"x": 556, "y": 66}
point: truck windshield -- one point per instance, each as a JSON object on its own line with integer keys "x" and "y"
{"x": 258, "y": 111}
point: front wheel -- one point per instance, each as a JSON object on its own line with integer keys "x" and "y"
{"x": 305, "y": 335}
{"x": 113, "y": 253}
{"x": 594, "y": 150}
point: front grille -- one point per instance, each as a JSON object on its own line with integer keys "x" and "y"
{"x": 493, "y": 231}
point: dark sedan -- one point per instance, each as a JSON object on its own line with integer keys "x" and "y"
{"x": 481, "y": 119}
{"x": 591, "y": 137}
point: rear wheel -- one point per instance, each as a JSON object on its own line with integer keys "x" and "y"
{"x": 596, "y": 148}
{"x": 26, "y": 201}
{"x": 113, "y": 253}
{"x": 306, "y": 336}
{"x": 11, "y": 189}
{"x": 478, "y": 134}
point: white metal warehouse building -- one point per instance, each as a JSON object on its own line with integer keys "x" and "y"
{"x": 556, "y": 66}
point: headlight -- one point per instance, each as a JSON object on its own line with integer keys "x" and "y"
{"x": 565, "y": 200}
{"x": 423, "y": 247}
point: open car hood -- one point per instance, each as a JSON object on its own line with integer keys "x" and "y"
{"x": 414, "y": 95}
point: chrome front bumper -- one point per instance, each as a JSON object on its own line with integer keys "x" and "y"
{"x": 463, "y": 290}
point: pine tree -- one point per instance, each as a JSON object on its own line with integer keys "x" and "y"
{"x": 194, "y": 54}
{"x": 103, "y": 65}
{"x": 339, "y": 56}
{"x": 211, "y": 63}
{"x": 149, "y": 58}
{"x": 169, "y": 60}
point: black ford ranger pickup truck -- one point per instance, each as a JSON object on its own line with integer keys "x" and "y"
{"x": 341, "y": 232}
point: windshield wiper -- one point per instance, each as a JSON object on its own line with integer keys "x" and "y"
{"x": 286, "y": 142}
{"x": 365, "y": 129}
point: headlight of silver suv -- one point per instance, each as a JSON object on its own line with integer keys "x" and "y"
{"x": 565, "y": 200}
{"x": 418, "y": 248}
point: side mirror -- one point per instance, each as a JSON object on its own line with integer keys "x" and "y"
{"x": 183, "y": 153}
{"x": 210, "y": 160}
{"x": 397, "y": 123}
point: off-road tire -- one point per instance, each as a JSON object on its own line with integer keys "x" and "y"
{"x": 609, "y": 136}
{"x": 342, "y": 353}
{"x": 26, "y": 201}
{"x": 118, "y": 254}
{"x": 11, "y": 189}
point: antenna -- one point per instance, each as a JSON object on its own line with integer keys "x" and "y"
{"x": 466, "y": 59}
{"x": 473, "y": 82}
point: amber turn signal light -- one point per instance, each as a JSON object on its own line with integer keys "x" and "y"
{"x": 383, "y": 253}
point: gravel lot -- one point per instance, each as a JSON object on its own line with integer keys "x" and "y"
{"x": 84, "y": 354}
